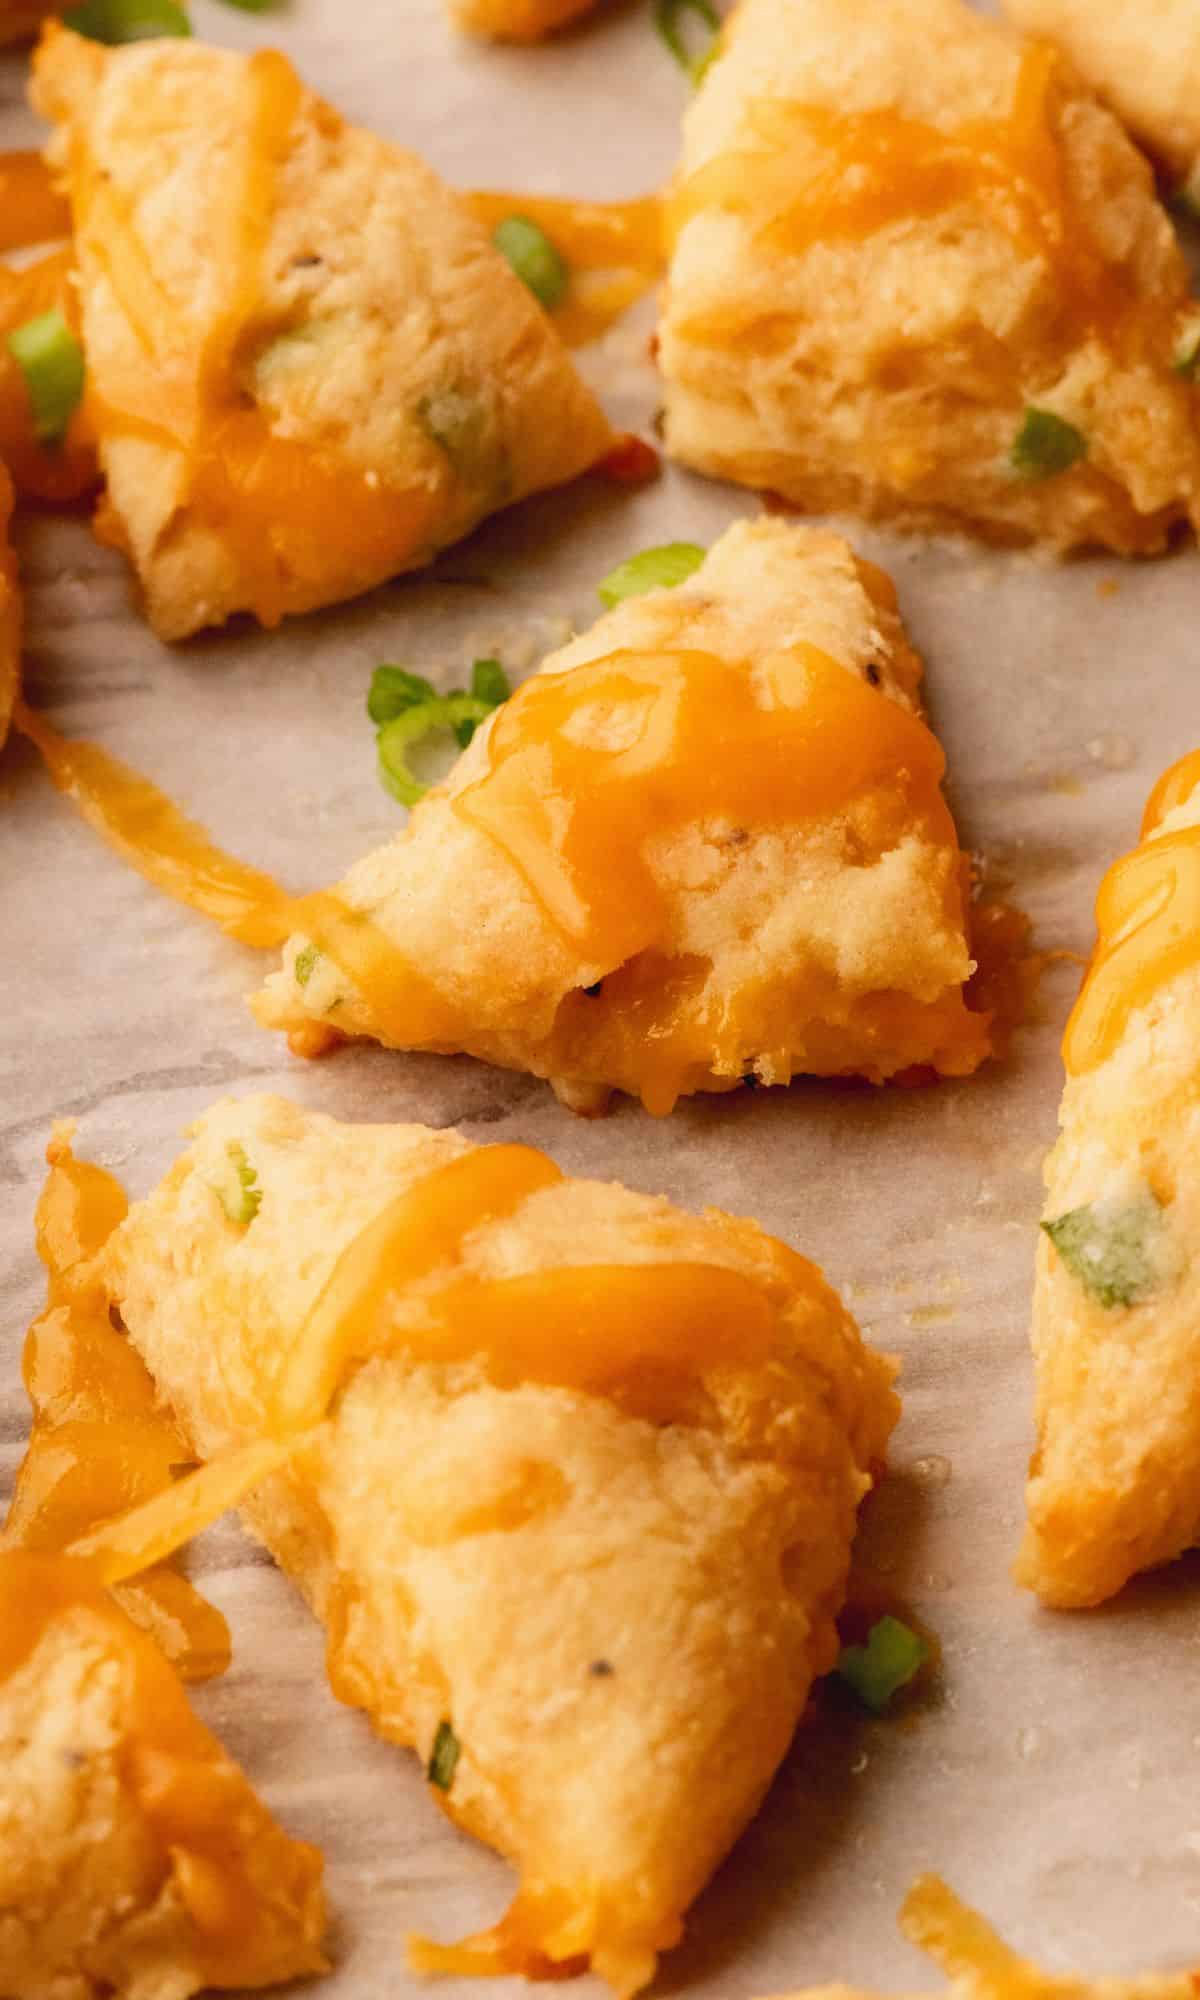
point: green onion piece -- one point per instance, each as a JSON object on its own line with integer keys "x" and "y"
{"x": 1110, "y": 1248}
{"x": 1045, "y": 445}
{"x": 236, "y": 1188}
{"x": 887, "y": 1662}
{"x": 443, "y": 1760}
{"x": 489, "y": 682}
{"x": 393, "y": 689}
{"x": 117, "y": 21}
{"x": 403, "y": 732}
{"x": 305, "y": 961}
{"x": 533, "y": 257}
{"x": 653, "y": 569}
{"x": 668, "y": 21}
{"x": 51, "y": 360}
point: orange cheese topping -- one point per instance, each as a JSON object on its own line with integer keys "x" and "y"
{"x": 810, "y": 173}
{"x": 688, "y": 740}
{"x": 60, "y": 472}
{"x": 293, "y": 513}
{"x": 100, "y": 1441}
{"x": 638, "y": 1333}
{"x": 31, "y": 208}
{"x": 241, "y": 1881}
{"x": 177, "y": 855}
{"x": 1148, "y": 924}
{"x": 614, "y": 251}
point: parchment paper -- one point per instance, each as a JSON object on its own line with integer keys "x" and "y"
{"x": 1053, "y": 1773}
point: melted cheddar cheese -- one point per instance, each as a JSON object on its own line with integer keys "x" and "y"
{"x": 1148, "y": 924}
{"x": 614, "y": 251}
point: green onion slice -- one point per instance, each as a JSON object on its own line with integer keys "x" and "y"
{"x": 51, "y": 360}
{"x": 407, "y": 708}
{"x": 117, "y": 21}
{"x": 668, "y": 19}
{"x": 393, "y": 689}
{"x": 653, "y": 569}
{"x": 533, "y": 257}
{"x": 1046, "y": 445}
{"x": 1112, "y": 1248}
{"x": 305, "y": 964}
{"x": 443, "y": 1760}
{"x": 236, "y": 1186}
{"x": 877, "y": 1671}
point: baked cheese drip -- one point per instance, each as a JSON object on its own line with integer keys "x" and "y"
{"x": 516, "y": 20}
{"x": 1114, "y": 1484}
{"x": 920, "y": 274}
{"x": 101, "y": 1440}
{"x": 613, "y": 250}
{"x": 31, "y": 208}
{"x": 705, "y": 842}
{"x": 309, "y": 369}
{"x": 134, "y": 1855}
{"x": 59, "y": 472}
{"x": 527, "y": 1378}
{"x": 10, "y": 612}
{"x": 1144, "y": 66}
{"x": 980, "y": 1966}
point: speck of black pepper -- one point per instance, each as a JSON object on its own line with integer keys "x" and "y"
{"x": 750, "y": 1080}
{"x": 593, "y": 992}
{"x": 602, "y": 1670}
{"x": 873, "y": 674}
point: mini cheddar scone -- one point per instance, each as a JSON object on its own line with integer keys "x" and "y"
{"x": 1141, "y": 56}
{"x": 135, "y": 1859}
{"x": 579, "y": 1518}
{"x": 516, "y": 20}
{"x": 705, "y": 844}
{"x": 10, "y": 611}
{"x": 920, "y": 274}
{"x": 1114, "y": 1484}
{"x": 308, "y": 368}
{"x": 980, "y": 1966}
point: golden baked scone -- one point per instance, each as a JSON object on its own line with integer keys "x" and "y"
{"x": 135, "y": 1859}
{"x": 921, "y": 275}
{"x": 580, "y": 1518}
{"x": 704, "y": 844}
{"x": 516, "y": 20}
{"x": 308, "y": 368}
{"x": 980, "y": 1966}
{"x": 10, "y": 611}
{"x": 1114, "y": 1484}
{"x": 1141, "y": 56}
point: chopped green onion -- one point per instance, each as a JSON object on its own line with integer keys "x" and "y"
{"x": 1110, "y": 1248}
{"x": 533, "y": 257}
{"x": 237, "y": 1187}
{"x": 407, "y": 708}
{"x": 653, "y": 569}
{"x": 489, "y": 682}
{"x": 117, "y": 21}
{"x": 668, "y": 21}
{"x": 305, "y": 961}
{"x": 51, "y": 360}
{"x": 443, "y": 1760}
{"x": 892, "y": 1655}
{"x": 393, "y": 689}
{"x": 1045, "y": 445}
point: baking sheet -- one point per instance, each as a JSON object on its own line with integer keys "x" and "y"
{"x": 1052, "y": 1775}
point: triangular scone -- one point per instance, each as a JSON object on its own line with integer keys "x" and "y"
{"x": 980, "y": 1966}
{"x": 516, "y": 20}
{"x": 1115, "y": 1481}
{"x": 308, "y": 368}
{"x": 10, "y": 611}
{"x": 705, "y": 843}
{"x": 1142, "y": 59}
{"x": 580, "y": 1519}
{"x": 920, "y": 274}
{"x": 135, "y": 1858}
